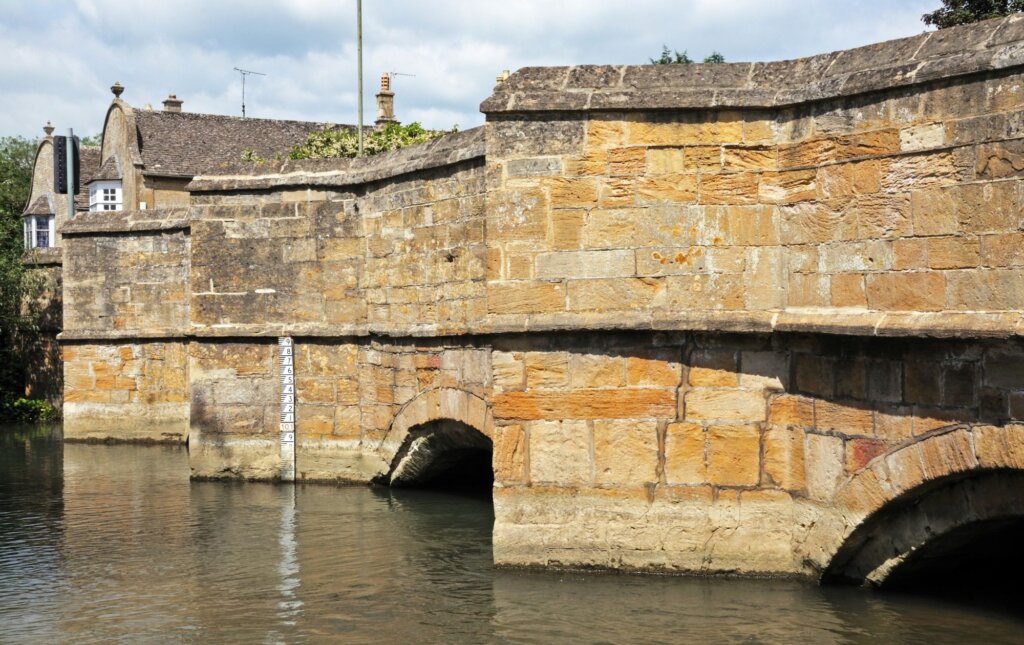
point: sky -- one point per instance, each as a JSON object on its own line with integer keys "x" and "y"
{"x": 58, "y": 58}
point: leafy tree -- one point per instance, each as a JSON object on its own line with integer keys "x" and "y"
{"x": 93, "y": 140}
{"x": 962, "y": 12}
{"x": 670, "y": 57}
{"x": 16, "y": 157}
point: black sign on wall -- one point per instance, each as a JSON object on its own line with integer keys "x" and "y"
{"x": 60, "y": 165}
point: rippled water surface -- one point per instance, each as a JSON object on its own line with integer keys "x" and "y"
{"x": 104, "y": 544}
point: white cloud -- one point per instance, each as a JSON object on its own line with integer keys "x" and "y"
{"x": 60, "y": 57}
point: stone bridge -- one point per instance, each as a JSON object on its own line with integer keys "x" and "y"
{"x": 752, "y": 319}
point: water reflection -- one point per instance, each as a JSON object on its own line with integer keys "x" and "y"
{"x": 114, "y": 544}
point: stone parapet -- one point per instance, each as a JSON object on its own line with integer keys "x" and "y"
{"x": 970, "y": 49}
{"x": 50, "y": 256}
{"x": 101, "y": 222}
{"x": 339, "y": 173}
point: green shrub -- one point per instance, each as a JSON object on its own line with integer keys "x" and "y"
{"x": 333, "y": 143}
{"x": 21, "y": 410}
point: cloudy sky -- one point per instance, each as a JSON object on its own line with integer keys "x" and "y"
{"x": 59, "y": 57}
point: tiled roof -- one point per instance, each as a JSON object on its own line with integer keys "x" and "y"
{"x": 41, "y": 206}
{"x": 88, "y": 165}
{"x": 110, "y": 170}
{"x": 185, "y": 144}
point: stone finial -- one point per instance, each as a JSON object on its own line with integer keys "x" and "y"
{"x": 172, "y": 103}
{"x": 116, "y": 89}
{"x": 385, "y": 101}
{"x": 501, "y": 78}
{"x": 48, "y": 129}
{"x": 148, "y": 107}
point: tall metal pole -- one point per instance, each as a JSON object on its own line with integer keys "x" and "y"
{"x": 359, "y": 47}
{"x": 71, "y": 174}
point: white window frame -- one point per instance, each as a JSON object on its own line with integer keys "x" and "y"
{"x": 37, "y": 226}
{"x": 106, "y": 196}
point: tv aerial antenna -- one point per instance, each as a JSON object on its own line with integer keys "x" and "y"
{"x": 244, "y": 73}
{"x": 392, "y": 75}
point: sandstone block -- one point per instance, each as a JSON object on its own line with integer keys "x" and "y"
{"x": 684, "y": 454}
{"x": 603, "y": 133}
{"x": 784, "y": 457}
{"x": 922, "y": 137}
{"x": 665, "y": 161}
{"x": 1000, "y": 447}
{"x": 738, "y": 188}
{"x": 980, "y": 290}
{"x": 597, "y": 370}
{"x": 788, "y": 187}
{"x": 672, "y": 189}
{"x": 610, "y": 229}
{"x": 714, "y": 368}
{"x": 848, "y": 290}
{"x": 734, "y": 455}
{"x": 861, "y": 451}
{"x": 906, "y": 291}
{"x": 752, "y": 158}
{"x": 625, "y": 452}
{"x": 586, "y": 264}
{"x": 652, "y": 372}
{"x": 953, "y": 252}
{"x": 848, "y": 418}
{"x": 545, "y": 370}
{"x": 566, "y": 229}
{"x": 509, "y": 455}
{"x": 725, "y": 405}
{"x": 525, "y": 297}
{"x": 616, "y": 294}
{"x": 627, "y": 162}
{"x": 824, "y": 466}
{"x": 560, "y": 453}
{"x": 624, "y": 403}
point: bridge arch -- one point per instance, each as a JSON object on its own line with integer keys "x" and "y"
{"x": 941, "y": 500}
{"x": 438, "y": 431}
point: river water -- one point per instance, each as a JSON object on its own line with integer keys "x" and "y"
{"x": 102, "y": 544}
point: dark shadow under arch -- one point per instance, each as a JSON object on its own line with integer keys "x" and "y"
{"x": 444, "y": 454}
{"x": 961, "y": 528}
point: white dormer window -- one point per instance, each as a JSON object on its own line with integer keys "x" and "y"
{"x": 39, "y": 231}
{"x": 105, "y": 196}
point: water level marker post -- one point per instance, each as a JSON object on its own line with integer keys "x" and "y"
{"x": 286, "y": 361}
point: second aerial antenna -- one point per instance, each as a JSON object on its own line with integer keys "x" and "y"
{"x": 244, "y": 73}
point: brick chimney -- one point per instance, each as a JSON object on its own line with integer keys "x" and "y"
{"x": 385, "y": 101}
{"x": 172, "y": 103}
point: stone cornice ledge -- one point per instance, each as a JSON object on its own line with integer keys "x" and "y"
{"x": 112, "y": 222}
{"x": 948, "y": 53}
{"x": 997, "y": 324}
{"x": 841, "y": 322}
{"x": 337, "y": 173}
{"x": 51, "y": 256}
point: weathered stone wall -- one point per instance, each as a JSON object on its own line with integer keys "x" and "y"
{"x": 126, "y": 274}
{"x": 38, "y": 348}
{"x": 347, "y": 255}
{"x": 684, "y": 451}
{"x": 838, "y": 212}
{"x": 133, "y": 391}
{"x": 709, "y": 318}
{"x": 125, "y": 315}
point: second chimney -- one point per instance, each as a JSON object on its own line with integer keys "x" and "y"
{"x": 385, "y": 102}
{"x": 172, "y": 103}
